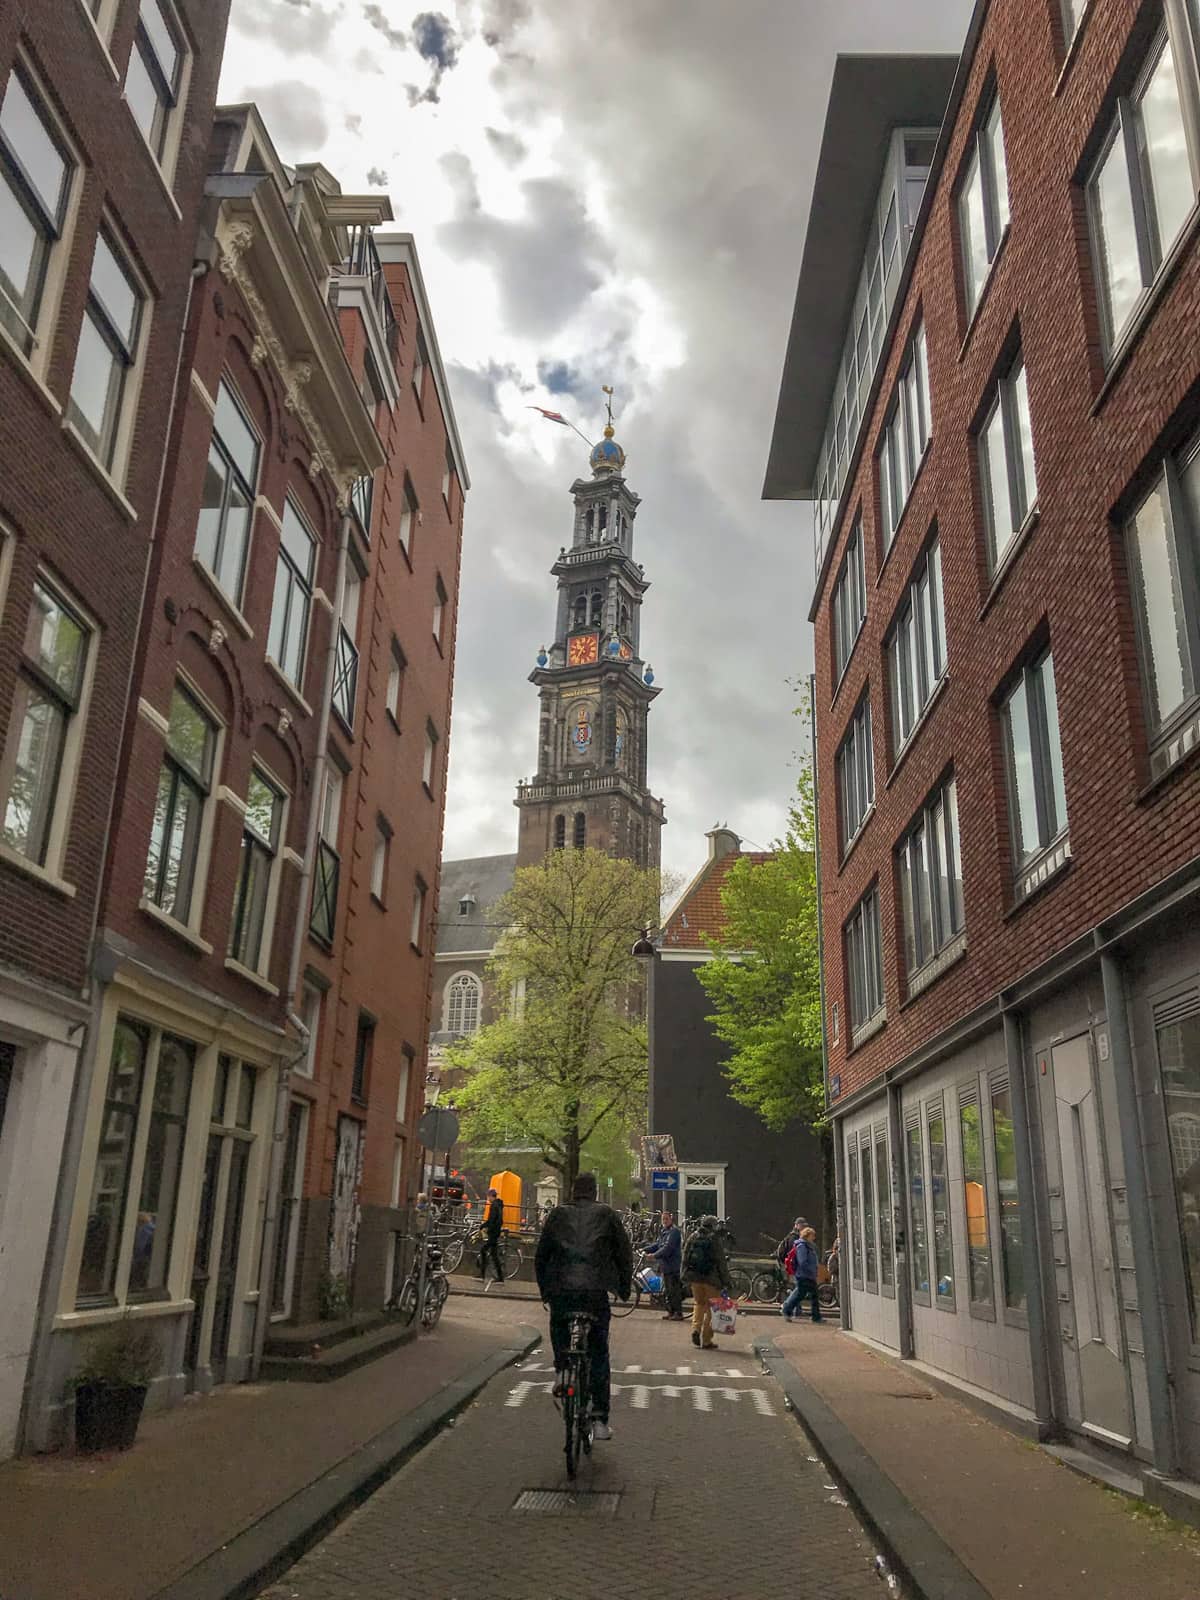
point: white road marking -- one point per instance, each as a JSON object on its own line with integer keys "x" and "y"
{"x": 639, "y": 1394}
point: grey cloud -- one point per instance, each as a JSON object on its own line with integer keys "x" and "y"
{"x": 507, "y": 145}
{"x": 295, "y": 25}
{"x": 294, "y": 116}
{"x": 438, "y": 44}
{"x": 377, "y": 178}
{"x": 378, "y": 19}
{"x": 547, "y": 263}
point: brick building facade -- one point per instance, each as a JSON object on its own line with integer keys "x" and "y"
{"x": 997, "y": 439}
{"x": 265, "y": 724}
{"x": 105, "y": 112}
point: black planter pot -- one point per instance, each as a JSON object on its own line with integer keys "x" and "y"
{"x": 107, "y": 1415}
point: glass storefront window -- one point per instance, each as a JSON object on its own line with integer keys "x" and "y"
{"x": 979, "y": 1251}
{"x": 856, "y": 1244}
{"x": 1179, "y": 1063}
{"x": 883, "y": 1199}
{"x": 160, "y": 1172}
{"x": 918, "y": 1231}
{"x": 943, "y": 1248}
{"x": 1012, "y": 1261}
{"x": 868, "y": 1189}
{"x": 110, "y": 1181}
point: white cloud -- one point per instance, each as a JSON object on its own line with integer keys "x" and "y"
{"x": 602, "y": 194}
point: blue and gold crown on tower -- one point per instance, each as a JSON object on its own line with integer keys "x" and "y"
{"x": 607, "y": 456}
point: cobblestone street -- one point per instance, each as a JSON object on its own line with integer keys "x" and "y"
{"x": 716, "y": 1493}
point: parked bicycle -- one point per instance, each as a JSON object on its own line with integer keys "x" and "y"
{"x": 437, "y": 1287}
{"x": 576, "y": 1401}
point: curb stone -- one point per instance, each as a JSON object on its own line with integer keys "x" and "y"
{"x": 921, "y": 1558}
{"x": 265, "y": 1550}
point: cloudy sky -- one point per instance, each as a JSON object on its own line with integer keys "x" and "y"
{"x": 601, "y": 193}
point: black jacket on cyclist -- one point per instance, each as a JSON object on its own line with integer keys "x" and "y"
{"x": 493, "y": 1222}
{"x": 583, "y": 1252}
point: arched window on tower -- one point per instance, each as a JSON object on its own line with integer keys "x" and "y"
{"x": 597, "y": 607}
{"x": 602, "y": 519}
{"x": 581, "y": 605}
{"x": 560, "y": 832}
{"x": 624, "y": 619}
{"x": 462, "y": 1003}
{"x": 580, "y": 830}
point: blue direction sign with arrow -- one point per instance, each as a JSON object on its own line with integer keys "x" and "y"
{"x": 665, "y": 1178}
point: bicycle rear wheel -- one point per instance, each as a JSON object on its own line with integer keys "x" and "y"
{"x": 512, "y": 1257}
{"x": 436, "y": 1291}
{"x": 406, "y": 1304}
{"x": 452, "y": 1254}
{"x": 740, "y": 1279}
{"x": 572, "y": 1400}
{"x": 765, "y": 1287}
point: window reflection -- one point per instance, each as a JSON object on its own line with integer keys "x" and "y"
{"x": 1179, "y": 1062}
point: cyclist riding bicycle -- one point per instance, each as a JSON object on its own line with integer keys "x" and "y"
{"x": 582, "y": 1254}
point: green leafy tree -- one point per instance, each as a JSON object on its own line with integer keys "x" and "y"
{"x": 567, "y": 1062}
{"x": 764, "y": 979}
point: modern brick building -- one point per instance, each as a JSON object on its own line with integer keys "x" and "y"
{"x": 265, "y": 723}
{"x": 105, "y": 114}
{"x": 991, "y": 394}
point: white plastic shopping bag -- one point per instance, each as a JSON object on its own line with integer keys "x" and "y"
{"x": 724, "y": 1315}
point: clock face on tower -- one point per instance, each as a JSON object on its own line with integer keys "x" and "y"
{"x": 583, "y": 650}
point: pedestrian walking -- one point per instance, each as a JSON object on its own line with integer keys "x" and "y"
{"x": 493, "y": 1226}
{"x": 784, "y": 1248}
{"x": 706, "y": 1269}
{"x": 804, "y": 1268}
{"x": 668, "y": 1252}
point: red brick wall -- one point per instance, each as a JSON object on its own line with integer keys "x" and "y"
{"x": 62, "y": 517}
{"x": 1069, "y": 579}
{"x": 182, "y": 611}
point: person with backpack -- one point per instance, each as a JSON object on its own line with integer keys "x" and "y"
{"x": 784, "y": 1248}
{"x": 706, "y": 1269}
{"x": 802, "y": 1264}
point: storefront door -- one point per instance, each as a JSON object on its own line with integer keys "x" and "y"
{"x": 283, "y": 1277}
{"x": 1085, "y": 1257}
{"x": 203, "y": 1256}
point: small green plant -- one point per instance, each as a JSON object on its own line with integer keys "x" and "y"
{"x": 124, "y": 1357}
{"x": 333, "y": 1297}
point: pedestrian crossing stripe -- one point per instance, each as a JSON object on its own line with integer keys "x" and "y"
{"x": 639, "y": 1394}
{"x": 653, "y": 1372}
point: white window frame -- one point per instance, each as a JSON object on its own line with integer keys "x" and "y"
{"x": 440, "y": 598}
{"x": 113, "y": 460}
{"x": 447, "y": 477}
{"x": 1178, "y": 504}
{"x": 262, "y": 964}
{"x": 863, "y": 943}
{"x": 928, "y": 855}
{"x": 199, "y": 895}
{"x": 1045, "y": 759}
{"x": 1009, "y": 406}
{"x": 53, "y": 853}
{"x": 906, "y": 435}
{"x": 310, "y": 1015}
{"x": 981, "y": 167}
{"x": 849, "y": 609}
{"x": 53, "y": 277}
{"x": 420, "y": 365}
{"x": 417, "y": 925}
{"x": 379, "y": 860}
{"x": 395, "y": 683}
{"x": 410, "y": 517}
{"x": 1153, "y": 251}
{"x": 296, "y": 582}
{"x": 856, "y": 774}
{"x": 461, "y": 984}
{"x": 167, "y": 155}
{"x": 429, "y": 759}
{"x": 249, "y": 488}
{"x": 916, "y": 647}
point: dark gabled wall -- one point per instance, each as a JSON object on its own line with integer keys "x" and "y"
{"x": 770, "y": 1177}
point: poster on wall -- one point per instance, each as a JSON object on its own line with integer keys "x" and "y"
{"x": 658, "y": 1150}
{"x": 344, "y": 1213}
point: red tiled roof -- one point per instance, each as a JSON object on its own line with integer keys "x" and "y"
{"x": 700, "y": 912}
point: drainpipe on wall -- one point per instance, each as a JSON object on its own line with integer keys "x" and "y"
{"x": 843, "y": 1299}
{"x": 1154, "y": 1342}
{"x": 1032, "y": 1232}
{"x": 279, "y": 1135}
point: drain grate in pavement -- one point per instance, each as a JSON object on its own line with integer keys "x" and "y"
{"x": 565, "y": 1503}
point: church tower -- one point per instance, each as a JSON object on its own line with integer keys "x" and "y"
{"x": 594, "y": 688}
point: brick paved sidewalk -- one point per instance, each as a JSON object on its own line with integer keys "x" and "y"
{"x": 121, "y": 1526}
{"x": 1020, "y": 1521}
{"x": 719, "y": 1495}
